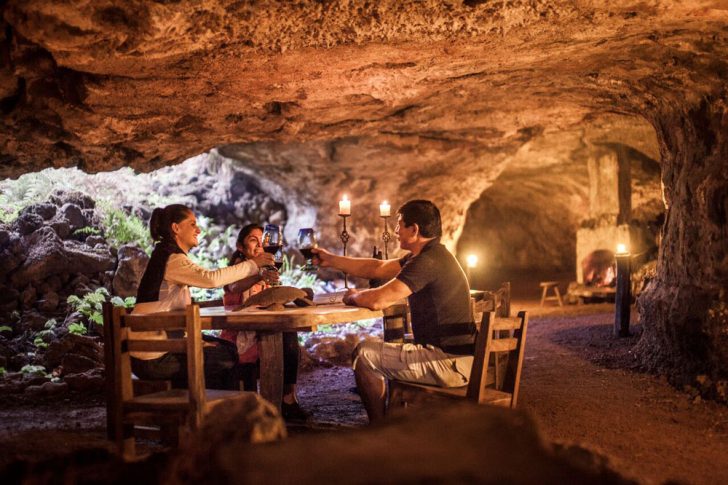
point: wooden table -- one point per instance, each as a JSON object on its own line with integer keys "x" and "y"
{"x": 270, "y": 324}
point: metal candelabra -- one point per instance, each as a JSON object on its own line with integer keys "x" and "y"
{"x": 386, "y": 237}
{"x": 344, "y": 239}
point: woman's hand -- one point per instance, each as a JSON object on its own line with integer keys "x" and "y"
{"x": 264, "y": 259}
{"x": 270, "y": 276}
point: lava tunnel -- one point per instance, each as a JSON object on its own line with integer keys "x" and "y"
{"x": 547, "y": 133}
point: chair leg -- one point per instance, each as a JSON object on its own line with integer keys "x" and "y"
{"x": 558, "y": 296}
{"x": 125, "y": 442}
{"x": 543, "y": 294}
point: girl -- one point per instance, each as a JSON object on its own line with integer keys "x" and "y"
{"x": 165, "y": 286}
{"x": 249, "y": 246}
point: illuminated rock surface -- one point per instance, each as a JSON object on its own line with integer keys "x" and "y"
{"x": 386, "y": 100}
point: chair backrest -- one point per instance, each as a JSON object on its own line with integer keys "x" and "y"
{"x": 188, "y": 341}
{"x": 498, "y": 301}
{"x": 499, "y": 336}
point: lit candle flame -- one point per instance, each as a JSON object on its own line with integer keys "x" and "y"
{"x": 621, "y": 248}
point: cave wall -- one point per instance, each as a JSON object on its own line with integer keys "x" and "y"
{"x": 429, "y": 99}
{"x": 684, "y": 310}
{"x": 531, "y": 217}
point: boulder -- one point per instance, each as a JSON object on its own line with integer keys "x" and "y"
{"x": 4, "y": 237}
{"x": 28, "y": 297}
{"x": 49, "y": 255}
{"x": 76, "y": 364}
{"x": 45, "y": 210}
{"x": 32, "y": 321}
{"x": 27, "y": 223}
{"x": 90, "y": 381}
{"x": 73, "y": 214}
{"x": 93, "y": 241}
{"x": 49, "y": 302}
{"x": 78, "y": 345}
{"x": 47, "y": 389}
{"x": 451, "y": 443}
{"x": 132, "y": 263}
{"x": 61, "y": 227}
{"x": 244, "y": 421}
{"x": 79, "y": 199}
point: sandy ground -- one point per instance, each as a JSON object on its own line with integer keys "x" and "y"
{"x": 578, "y": 381}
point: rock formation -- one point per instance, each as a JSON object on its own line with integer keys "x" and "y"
{"x": 394, "y": 100}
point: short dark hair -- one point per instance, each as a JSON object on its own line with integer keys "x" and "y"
{"x": 423, "y": 213}
{"x": 160, "y": 224}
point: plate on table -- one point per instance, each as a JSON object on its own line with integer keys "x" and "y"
{"x": 329, "y": 298}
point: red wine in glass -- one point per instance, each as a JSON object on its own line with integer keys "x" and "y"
{"x": 273, "y": 243}
{"x": 306, "y": 242}
{"x": 272, "y": 249}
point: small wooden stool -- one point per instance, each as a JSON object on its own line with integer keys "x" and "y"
{"x": 546, "y": 285}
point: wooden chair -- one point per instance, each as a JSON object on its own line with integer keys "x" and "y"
{"x": 482, "y": 386}
{"x": 179, "y": 409}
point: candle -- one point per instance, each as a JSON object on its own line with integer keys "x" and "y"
{"x": 344, "y": 207}
{"x": 621, "y": 248}
{"x": 384, "y": 209}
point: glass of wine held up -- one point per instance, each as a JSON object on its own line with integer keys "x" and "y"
{"x": 306, "y": 242}
{"x": 273, "y": 244}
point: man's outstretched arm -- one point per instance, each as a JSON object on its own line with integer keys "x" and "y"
{"x": 378, "y": 298}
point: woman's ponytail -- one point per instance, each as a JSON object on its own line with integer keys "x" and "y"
{"x": 160, "y": 224}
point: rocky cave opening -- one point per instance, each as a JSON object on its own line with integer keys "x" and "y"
{"x": 546, "y": 132}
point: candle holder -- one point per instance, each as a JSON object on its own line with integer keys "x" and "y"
{"x": 386, "y": 237}
{"x": 344, "y": 236}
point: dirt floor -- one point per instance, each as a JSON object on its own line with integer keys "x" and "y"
{"x": 578, "y": 381}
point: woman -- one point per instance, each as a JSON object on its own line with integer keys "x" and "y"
{"x": 165, "y": 286}
{"x": 249, "y": 246}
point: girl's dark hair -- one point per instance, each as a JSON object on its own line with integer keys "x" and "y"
{"x": 160, "y": 225}
{"x": 244, "y": 232}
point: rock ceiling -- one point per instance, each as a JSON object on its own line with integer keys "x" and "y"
{"x": 381, "y": 99}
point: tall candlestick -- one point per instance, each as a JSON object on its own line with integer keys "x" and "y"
{"x": 344, "y": 206}
{"x": 384, "y": 209}
{"x": 386, "y": 236}
{"x": 344, "y": 239}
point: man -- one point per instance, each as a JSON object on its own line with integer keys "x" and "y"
{"x": 439, "y": 298}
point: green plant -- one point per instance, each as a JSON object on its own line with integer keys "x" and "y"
{"x": 5, "y": 328}
{"x": 122, "y": 228}
{"x": 2, "y": 371}
{"x": 40, "y": 343}
{"x": 127, "y": 302}
{"x": 89, "y": 305}
{"x": 77, "y": 328}
{"x": 50, "y": 323}
{"x": 33, "y": 370}
{"x": 88, "y": 230}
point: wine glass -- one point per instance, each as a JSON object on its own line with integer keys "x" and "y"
{"x": 306, "y": 242}
{"x": 273, "y": 243}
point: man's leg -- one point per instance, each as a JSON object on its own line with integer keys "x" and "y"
{"x": 371, "y": 389}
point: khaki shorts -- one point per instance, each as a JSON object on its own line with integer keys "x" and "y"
{"x": 414, "y": 363}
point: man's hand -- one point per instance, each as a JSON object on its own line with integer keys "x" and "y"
{"x": 349, "y": 297}
{"x": 264, "y": 259}
{"x": 322, "y": 258}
